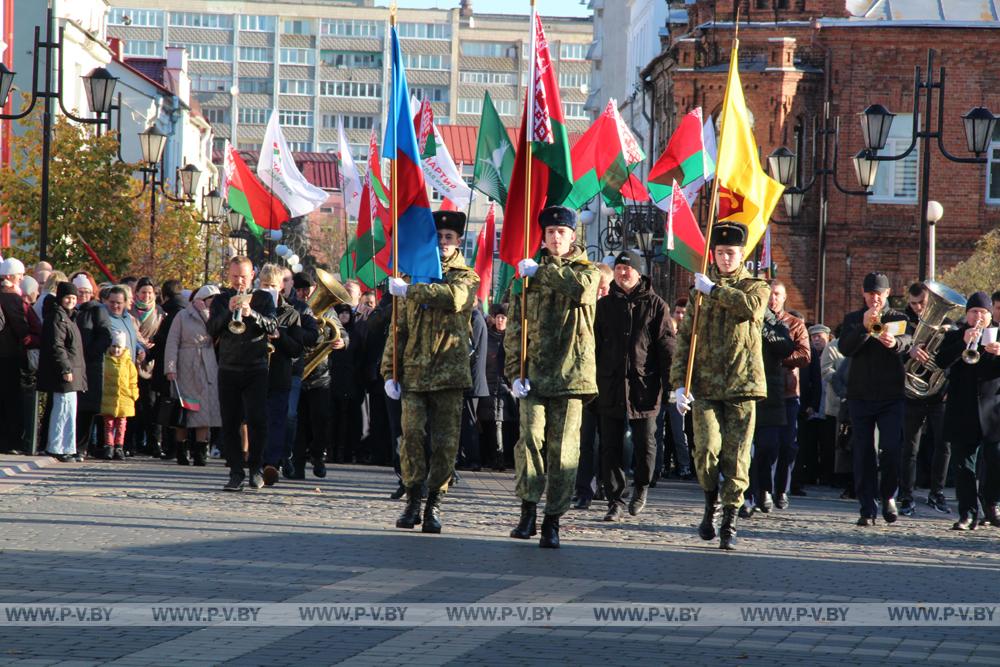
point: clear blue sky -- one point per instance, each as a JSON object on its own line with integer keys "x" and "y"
{"x": 545, "y": 7}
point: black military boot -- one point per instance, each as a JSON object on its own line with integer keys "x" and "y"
{"x": 526, "y": 526}
{"x": 411, "y": 513}
{"x": 706, "y": 529}
{"x": 727, "y": 531}
{"x": 182, "y": 454}
{"x": 432, "y": 513}
{"x": 199, "y": 454}
{"x": 550, "y": 532}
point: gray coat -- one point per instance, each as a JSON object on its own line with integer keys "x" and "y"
{"x": 189, "y": 353}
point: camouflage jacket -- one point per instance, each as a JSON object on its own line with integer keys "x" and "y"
{"x": 434, "y": 329}
{"x": 562, "y": 298}
{"x": 728, "y": 363}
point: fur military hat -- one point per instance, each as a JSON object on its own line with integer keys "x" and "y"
{"x": 498, "y": 309}
{"x": 729, "y": 233}
{"x": 557, "y": 215}
{"x": 453, "y": 220}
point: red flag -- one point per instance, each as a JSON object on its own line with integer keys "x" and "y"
{"x": 97, "y": 260}
{"x": 484, "y": 254}
{"x": 447, "y": 205}
{"x": 683, "y": 242}
{"x": 634, "y": 189}
{"x": 260, "y": 208}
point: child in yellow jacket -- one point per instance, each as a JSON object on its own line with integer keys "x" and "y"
{"x": 120, "y": 392}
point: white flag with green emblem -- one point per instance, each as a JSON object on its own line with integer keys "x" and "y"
{"x": 276, "y": 169}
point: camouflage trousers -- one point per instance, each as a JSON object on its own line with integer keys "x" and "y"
{"x": 552, "y": 423}
{"x": 442, "y": 412}
{"x": 723, "y": 432}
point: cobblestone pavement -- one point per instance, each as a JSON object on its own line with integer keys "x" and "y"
{"x": 149, "y": 531}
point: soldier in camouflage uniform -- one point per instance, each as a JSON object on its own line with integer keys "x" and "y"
{"x": 560, "y": 373}
{"x": 432, "y": 371}
{"x": 728, "y": 377}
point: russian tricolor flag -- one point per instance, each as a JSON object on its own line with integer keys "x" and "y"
{"x": 418, "y": 247}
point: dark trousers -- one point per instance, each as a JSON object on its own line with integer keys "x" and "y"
{"x": 774, "y": 451}
{"x": 869, "y": 463}
{"x": 375, "y": 437}
{"x": 817, "y": 441}
{"x": 143, "y": 431}
{"x": 589, "y": 463}
{"x": 613, "y": 454}
{"x": 84, "y": 430}
{"x": 243, "y": 398}
{"x": 468, "y": 451}
{"x": 312, "y": 432}
{"x": 921, "y": 415}
{"x": 346, "y": 430}
{"x": 679, "y": 439}
{"x": 11, "y": 417}
{"x": 277, "y": 424}
{"x": 966, "y": 452}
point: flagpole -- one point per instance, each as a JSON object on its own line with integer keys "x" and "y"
{"x": 528, "y": 133}
{"x": 394, "y": 216}
{"x": 712, "y": 214}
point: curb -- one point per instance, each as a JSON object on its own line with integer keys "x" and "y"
{"x": 17, "y": 465}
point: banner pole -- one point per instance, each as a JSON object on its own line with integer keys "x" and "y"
{"x": 528, "y": 134}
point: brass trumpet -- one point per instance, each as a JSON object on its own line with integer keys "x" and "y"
{"x": 236, "y": 325}
{"x": 970, "y": 354}
{"x": 876, "y": 327}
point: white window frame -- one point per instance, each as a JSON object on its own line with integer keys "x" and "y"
{"x": 300, "y": 146}
{"x": 414, "y": 30}
{"x": 295, "y": 118}
{"x": 201, "y": 20}
{"x": 354, "y": 89}
{"x": 486, "y": 49}
{"x": 900, "y": 137}
{"x": 256, "y": 54}
{"x": 438, "y": 93}
{"x": 570, "y": 107}
{"x": 253, "y": 115}
{"x": 253, "y": 23}
{"x": 140, "y": 18}
{"x": 306, "y": 25}
{"x": 297, "y": 56}
{"x": 352, "y": 28}
{"x": 149, "y": 48}
{"x": 993, "y": 158}
{"x": 488, "y": 78}
{"x": 425, "y": 61}
{"x": 208, "y": 111}
{"x": 213, "y": 53}
{"x": 574, "y": 80}
{"x": 573, "y": 51}
{"x": 210, "y": 83}
{"x": 300, "y": 86}
{"x": 472, "y": 106}
{"x": 269, "y": 87}
{"x": 351, "y": 121}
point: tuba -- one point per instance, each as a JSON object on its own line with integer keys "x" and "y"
{"x": 943, "y": 303}
{"x": 328, "y": 294}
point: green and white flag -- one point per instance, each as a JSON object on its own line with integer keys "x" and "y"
{"x": 494, "y": 155}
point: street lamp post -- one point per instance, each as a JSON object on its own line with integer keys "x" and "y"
{"x": 100, "y": 88}
{"x": 876, "y": 121}
{"x": 211, "y": 210}
{"x": 152, "y": 142}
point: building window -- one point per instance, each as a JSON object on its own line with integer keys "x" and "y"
{"x": 572, "y": 51}
{"x": 574, "y": 80}
{"x": 993, "y": 172}
{"x": 144, "y": 48}
{"x": 574, "y": 110}
{"x": 470, "y": 106}
{"x": 295, "y": 118}
{"x": 255, "y": 23}
{"x": 204, "y": 83}
{"x": 137, "y": 18}
{"x": 219, "y": 143}
{"x": 300, "y": 146}
{"x": 216, "y": 116}
{"x": 350, "y": 122}
{"x": 296, "y": 87}
{"x": 350, "y": 89}
{"x": 896, "y": 181}
{"x": 196, "y": 20}
{"x": 505, "y": 107}
{"x": 430, "y": 93}
{"x": 298, "y": 57}
{"x": 297, "y": 27}
{"x": 253, "y": 115}
{"x": 426, "y": 61}
{"x": 351, "y": 59}
{"x": 424, "y": 30}
{"x": 489, "y": 49}
{"x": 256, "y": 54}
{"x": 352, "y": 28}
{"x": 494, "y": 78}
{"x": 208, "y": 52}
{"x": 255, "y": 86}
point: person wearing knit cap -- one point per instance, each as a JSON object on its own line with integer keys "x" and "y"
{"x": 120, "y": 390}
{"x": 972, "y": 411}
{"x": 62, "y": 371}
{"x": 85, "y": 285}
{"x": 13, "y": 336}
{"x": 875, "y": 396}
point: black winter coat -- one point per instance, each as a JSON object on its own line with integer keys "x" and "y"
{"x": 61, "y": 353}
{"x": 777, "y": 344}
{"x": 287, "y": 347}
{"x": 500, "y": 396}
{"x": 309, "y": 331}
{"x": 14, "y": 329}
{"x": 95, "y": 330}
{"x": 170, "y": 309}
{"x": 876, "y": 371}
{"x": 972, "y": 409}
{"x": 477, "y": 356}
{"x": 246, "y": 351}
{"x": 346, "y": 375}
{"x": 635, "y": 347}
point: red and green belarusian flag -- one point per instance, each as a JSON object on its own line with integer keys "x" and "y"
{"x": 246, "y": 194}
{"x": 603, "y": 159}
{"x": 371, "y": 249}
{"x": 685, "y": 160}
{"x": 483, "y": 260}
{"x": 543, "y": 127}
{"x": 683, "y": 241}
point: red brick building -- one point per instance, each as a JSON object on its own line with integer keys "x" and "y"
{"x": 865, "y": 52}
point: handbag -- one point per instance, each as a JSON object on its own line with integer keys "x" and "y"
{"x": 169, "y": 412}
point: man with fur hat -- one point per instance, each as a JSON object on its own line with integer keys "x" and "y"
{"x": 728, "y": 377}
{"x": 560, "y": 371}
{"x": 432, "y": 371}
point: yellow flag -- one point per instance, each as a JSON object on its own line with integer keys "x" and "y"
{"x": 746, "y": 193}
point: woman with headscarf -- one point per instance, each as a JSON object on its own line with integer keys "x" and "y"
{"x": 148, "y": 318}
{"x": 95, "y": 331}
{"x": 190, "y": 365}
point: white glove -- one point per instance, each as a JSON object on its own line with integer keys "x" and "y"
{"x": 397, "y": 287}
{"x": 683, "y": 401}
{"x": 521, "y": 390}
{"x": 392, "y": 389}
{"x": 703, "y": 284}
{"x": 526, "y": 267}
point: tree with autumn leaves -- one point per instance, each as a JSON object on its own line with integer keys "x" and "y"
{"x": 93, "y": 195}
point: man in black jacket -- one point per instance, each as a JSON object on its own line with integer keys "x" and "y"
{"x": 290, "y": 289}
{"x": 243, "y": 369}
{"x": 875, "y": 396}
{"x": 635, "y": 345}
{"x": 972, "y": 411}
{"x": 468, "y": 452}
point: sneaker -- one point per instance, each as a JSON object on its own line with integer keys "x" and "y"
{"x": 906, "y": 507}
{"x": 270, "y": 475}
{"x": 235, "y": 482}
{"x": 256, "y": 478}
{"x": 215, "y": 453}
{"x": 937, "y": 501}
